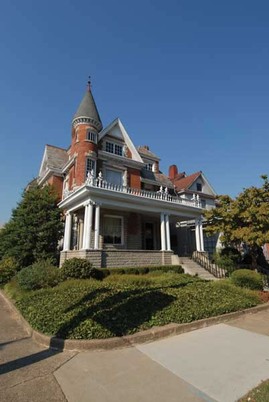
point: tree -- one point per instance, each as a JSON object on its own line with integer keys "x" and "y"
{"x": 244, "y": 219}
{"x": 34, "y": 229}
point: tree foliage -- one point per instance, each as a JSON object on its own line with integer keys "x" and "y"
{"x": 244, "y": 219}
{"x": 35, "y": 227}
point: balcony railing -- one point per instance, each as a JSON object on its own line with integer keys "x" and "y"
{"x": 161, "y": 195}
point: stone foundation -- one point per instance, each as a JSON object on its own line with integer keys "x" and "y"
{"x": 120, "y": 258}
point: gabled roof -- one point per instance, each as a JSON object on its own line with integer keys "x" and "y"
{"x": 185, "y": 182}
{"x": 54, "y": 158}
{"x": 87, "y": 108}
{"x": 125, "y": 137}
{"x": 144, "y": 151}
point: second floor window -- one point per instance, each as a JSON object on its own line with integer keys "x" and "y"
{"x": 114, "y": 148}
{"x": 90, "y": 165}
{"x": 198, "y": 186}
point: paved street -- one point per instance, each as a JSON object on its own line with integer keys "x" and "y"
{"x": 218, "y": 363}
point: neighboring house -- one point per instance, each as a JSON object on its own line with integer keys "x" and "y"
{"x": 120, "y": 208}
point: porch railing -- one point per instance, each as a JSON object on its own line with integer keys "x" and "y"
{"x": 161, "y": 195}
{"x": 202, "y": 259}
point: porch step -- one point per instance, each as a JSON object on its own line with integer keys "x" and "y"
{"x": 192, "y": 268}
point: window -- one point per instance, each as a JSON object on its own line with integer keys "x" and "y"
{"x": 110, "y": 147}
{"x": 114, "y": 177}
{"x": 203, "y": 203}
{"x": 114, "y": 148}
{"x": 198, "y": 186}
{"x": 90, "y": 165}
{"x": 91, "y": 136}
{"x": 149, "y": 167}
{"x": 113, "y": 228}
{"x": 118, "y": 149}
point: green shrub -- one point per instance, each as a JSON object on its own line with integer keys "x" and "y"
{"x": 247, "y": 279}
{"x": 8, "y": 269}
{"x": 91, "y": 309}
{"x": 41, "y": 274}
{"x": 79, "y": 268}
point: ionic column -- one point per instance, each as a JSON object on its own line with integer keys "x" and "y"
{"x": 97, "y": 227}
{"x": 87, "y": 226}
{"x": 163, "y": 241}
{"x": 168, "y": 240}
{"x": 67, "y": 231}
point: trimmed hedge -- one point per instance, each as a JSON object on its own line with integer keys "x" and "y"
{"x": 41, "y": 274}
{"x": 141, "y": 270}
{"x": 247, "y": 279}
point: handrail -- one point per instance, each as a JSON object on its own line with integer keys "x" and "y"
{"x": 158, "y": 195}
{"x": 202, "y": 259}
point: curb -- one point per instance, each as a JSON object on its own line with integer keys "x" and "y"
{"x": 149, "y": 335}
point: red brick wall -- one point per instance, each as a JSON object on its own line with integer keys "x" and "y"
{"x": 57, "y": 183}
{"x": 134, "y": 178}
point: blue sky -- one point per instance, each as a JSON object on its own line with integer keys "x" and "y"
{"x": 188, "y": 78}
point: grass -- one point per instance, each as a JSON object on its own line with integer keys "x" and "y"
{"x": 259, "y": 394}
{"x": 125, "y": 304}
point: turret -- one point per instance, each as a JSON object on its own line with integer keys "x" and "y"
{"x": 86, "y": 125}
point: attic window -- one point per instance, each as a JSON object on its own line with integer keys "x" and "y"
{"x": 198, "y": 186}
{"x": 114, "y": 148}
{"x": 91, "y": 136}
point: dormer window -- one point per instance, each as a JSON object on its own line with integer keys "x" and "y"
{"x": 149, "y": 167}
{"x": 114, "y": 148}
{"x": 91, "y": 136}
{"x": 198, "y": 187}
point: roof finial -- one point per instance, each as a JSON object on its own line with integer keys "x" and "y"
{"x": 89, "y": 83}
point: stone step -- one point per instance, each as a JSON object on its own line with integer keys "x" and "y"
{"x": 192, "y": 268}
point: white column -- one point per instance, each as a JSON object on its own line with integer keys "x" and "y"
{"x": 163, "y": 242}
{"x": 87, "y": 226}
{"x": 201, "y": 236}
{"x": 168, "y": 240}
{"x": 97, "y": 227}
{"x": 67, "y": 231}
{"x": 197, "y": 234}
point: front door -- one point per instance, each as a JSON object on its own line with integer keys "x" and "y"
{"x": 149, "y": 236}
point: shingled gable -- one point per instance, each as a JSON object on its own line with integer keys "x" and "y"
{"x": 117, "y": 130}
{"x": 54, "y": 159}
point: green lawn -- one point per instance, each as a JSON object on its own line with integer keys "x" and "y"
{"x": 259, "y": 394}
{"x": 125, "y": 304}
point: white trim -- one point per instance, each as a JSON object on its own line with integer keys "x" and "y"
{"x": 43, "y": 161}
{"x": 122, "y": 228}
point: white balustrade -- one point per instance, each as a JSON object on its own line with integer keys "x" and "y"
{"x": 161, "y": 195}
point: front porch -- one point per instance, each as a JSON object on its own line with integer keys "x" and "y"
{"x": 113, "y": 227}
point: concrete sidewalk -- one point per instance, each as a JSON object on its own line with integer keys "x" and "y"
{"x": 217, "y": 363}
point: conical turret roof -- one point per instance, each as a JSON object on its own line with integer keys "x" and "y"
{"x": 88, "y": 109}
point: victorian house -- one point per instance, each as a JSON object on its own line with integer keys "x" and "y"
{"x": 120, "y": 209}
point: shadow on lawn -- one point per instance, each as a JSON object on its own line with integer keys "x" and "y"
{"x": 120, "y": 313}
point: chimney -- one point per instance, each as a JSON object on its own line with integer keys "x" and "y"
{"x": 146, "y": 147}
{"x": 173, "y": 171}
